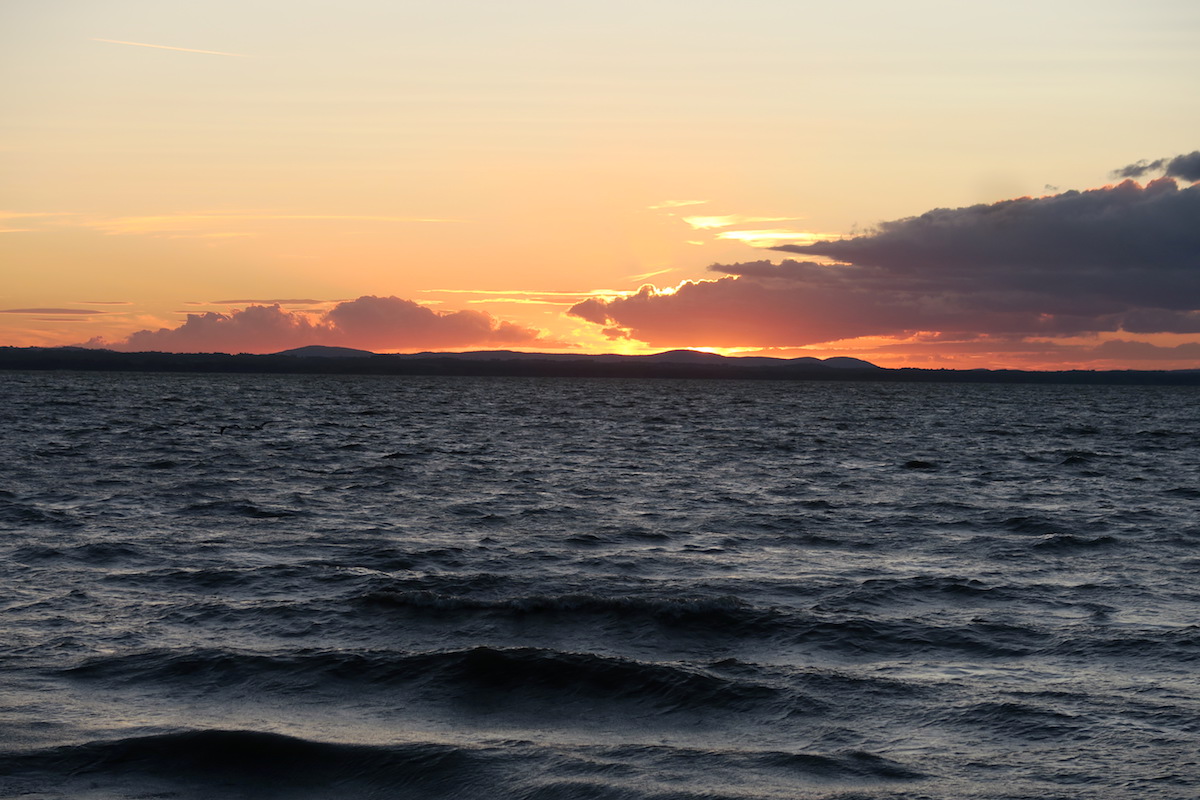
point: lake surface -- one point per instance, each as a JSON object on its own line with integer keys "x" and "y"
{"x": 309, "y": 587}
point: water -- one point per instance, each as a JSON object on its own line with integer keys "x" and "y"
{"x": 309, "y": 587}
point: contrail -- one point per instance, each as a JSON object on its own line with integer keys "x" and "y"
{"x": 180, "y": 49}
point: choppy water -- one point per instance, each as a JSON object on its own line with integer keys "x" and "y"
{"x": 518, "y": 588}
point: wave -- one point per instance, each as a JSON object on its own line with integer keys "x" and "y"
{"x": 721, "y": 613}
{"x": 1069, "y": 542}
{"x": 887, "y": 592}
{"x": 22, "y": 515}
{"x": 1034, "y": 525}
{"x": 226, "y": 578}
{"x": 865, "y": 636}
{"x": 92, "y": 553}
{"x": 239, "y": 508}
{"x": 1023, "y": 722}
{"x": 205, "y": 763}
{"x": 537, "y": 675}
{"x": 1178, "y": 646}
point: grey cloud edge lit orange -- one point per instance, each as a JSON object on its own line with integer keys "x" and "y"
{"x": 368, "y": 322}
{"x": 1119, "y": 258}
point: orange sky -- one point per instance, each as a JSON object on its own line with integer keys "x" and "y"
{"x": 249, "y": 177}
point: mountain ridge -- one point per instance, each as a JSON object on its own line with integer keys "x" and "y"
{"x": 678, "y": 356}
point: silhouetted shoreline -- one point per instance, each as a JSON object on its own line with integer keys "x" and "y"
{"x": 500, "y": 363}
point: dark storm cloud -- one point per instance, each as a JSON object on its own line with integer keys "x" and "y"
{"x": 1139, "y": 169}
{"x": 1157, "y": 320}
{"x": 1144, "y": 351}
{"x": 1185, "y": 166}
{"x": 1120, "y": 246}
{"x": 1122, "y": 257}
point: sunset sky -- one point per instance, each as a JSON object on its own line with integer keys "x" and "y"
{"x": 927, "y": 183}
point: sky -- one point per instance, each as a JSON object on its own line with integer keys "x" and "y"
{"x": 929, "y": 184}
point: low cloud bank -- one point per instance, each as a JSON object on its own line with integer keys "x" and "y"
{"x": 1120, "y": 258}
{"x": 370, "y": 323}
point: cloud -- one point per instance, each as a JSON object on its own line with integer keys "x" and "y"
{"x": 1120, "y": 349}
{"x": 286, "y": 302}
{"x": 389, "y": 322}
{"x": 727, "y": 220}
{"x": 34, "y": 217}
{"x": 676, "y": 204}
{"x": 644, "y": 275}
{"x": 773, "y": 235}
{"x": 373, "y": 323}
{"x": 519, "y": 292}
{"x": 733, "y": 312}
{"x": 1077, "y": 252}
{"x": 196, "y": 224}
{"x": 531, "y": 296}
{"x": 996, "y": 352}
{"x": 1186, "y": 167}
{"x": 1139, "y": 169}
{"x": 755, "y": 236}
{"x": 178, "y": 49}
{"x": 1124, "y": 257}
{"x": 49, "y": 311}
{"x": 33, "y": 214}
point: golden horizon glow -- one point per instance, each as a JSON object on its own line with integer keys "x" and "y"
{"x": 364, "y": 151}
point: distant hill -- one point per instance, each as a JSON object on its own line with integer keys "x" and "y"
{"x": 321, "y": 351}
{"x": 694, "y": 357}
{"x": 846, "y": 362}
{"x": 501, "y": 363}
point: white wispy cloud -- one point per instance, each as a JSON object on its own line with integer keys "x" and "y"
{"x": 179, "y": 223}
{"x": 177, "y": 49}
{"x": 525, "y": 292}
{"x": 527, "y": 301}
{"x": 530, "y": 296}
{"x": 676, "y": 204}
{"x": 302, "y": 301}
{"x": 202, "y": 225}
{"x": 81, "y": 311}
{"x": 643, "y": 275}
{"x": 775, "y": 235}
{"x": 31, "y": 216}
{"x": 725, "y": 221}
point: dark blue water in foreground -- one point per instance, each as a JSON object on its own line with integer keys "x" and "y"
{"x": 309, "y": 587}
